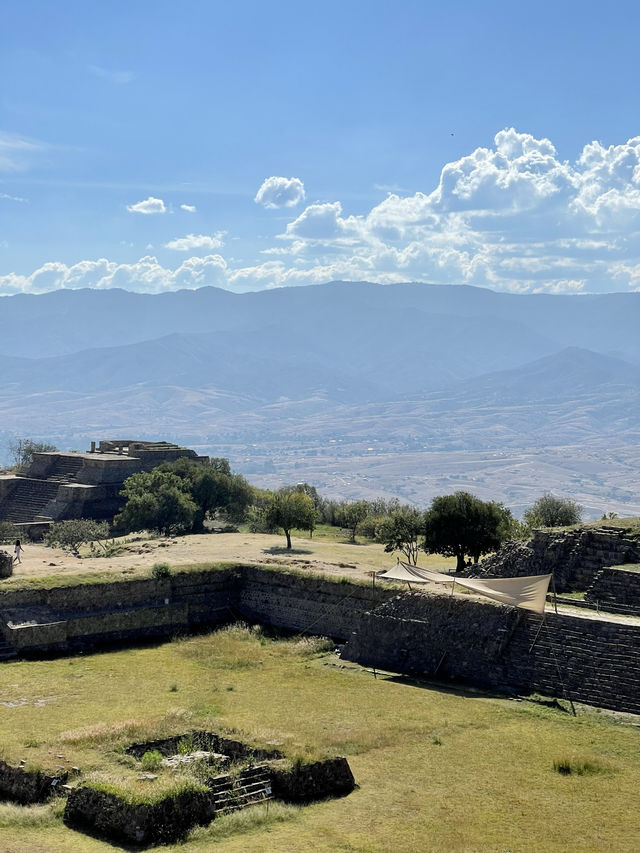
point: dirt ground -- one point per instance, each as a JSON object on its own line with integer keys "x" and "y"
{"x": 139, "y": 552}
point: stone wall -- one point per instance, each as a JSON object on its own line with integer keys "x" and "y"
{"x": 574, "y": 556}
{"x": 587, "y": 660}
{"x": 24, "y": 786}
{"x": 616, "y": 588}
{"x": 482, "y": 642}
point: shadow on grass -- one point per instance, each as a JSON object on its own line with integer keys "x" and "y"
{"x": 282, "y": 549}
{"x": 452, "y": 688}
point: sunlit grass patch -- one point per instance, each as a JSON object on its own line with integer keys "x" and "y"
{"x": 256, "y": 817}
{"x": 22, "y": 817}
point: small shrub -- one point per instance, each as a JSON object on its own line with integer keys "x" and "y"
{"x": 187, "y": 744}
{"x": 161, "y": 570}
{"x": 151, "y": 760}
{"x": 173, "y": 688}
{"x": 579, "y": 766}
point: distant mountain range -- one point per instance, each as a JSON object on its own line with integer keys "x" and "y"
{"x": 405, "y": 366}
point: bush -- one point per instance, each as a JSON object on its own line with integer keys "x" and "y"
{"x": 551, "y": 511}
{"x": 9, "y": 533}
{"x": 79, "y": 531}
{"x": 151, "y": 760}
{"x": 161, "y": 570}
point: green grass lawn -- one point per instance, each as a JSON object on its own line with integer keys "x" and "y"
{"x": 452, "y": 771}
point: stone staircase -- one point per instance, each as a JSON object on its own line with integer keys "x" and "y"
{"x": 252, "y": 786}
{"x": 27, "y": 499}
{"x": 65, "y": 469}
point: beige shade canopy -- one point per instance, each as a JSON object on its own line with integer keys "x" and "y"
{"x": 529, "y": 592}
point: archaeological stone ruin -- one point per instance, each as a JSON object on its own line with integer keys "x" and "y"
{"x": 59, "y": 486}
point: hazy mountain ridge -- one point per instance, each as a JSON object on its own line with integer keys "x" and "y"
{"x": 329, "y": 372}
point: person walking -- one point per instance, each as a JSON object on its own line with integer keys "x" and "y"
{"x": 18, "y": 552}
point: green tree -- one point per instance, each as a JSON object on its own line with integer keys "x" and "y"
{"x": 401, "y": 531}
{"x": 551, "y": 511}
{"x": 461, "y": 524}
{"x": 214, "y": 488}
{"x": 157, "y": 500}
{"x": 22, "y": 450}
{"x": 351, "y": 514}
{"x": 75, "y": 532}
{"x": 290, "y": 509}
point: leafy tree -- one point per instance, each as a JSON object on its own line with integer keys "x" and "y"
{"x": 551, "y": 511}
{"x": 461, "y": 524}
{"x": 401, "y": 531}
{"x": 22, "y": 450}
{"x": 215, "y": 490}
{"x": 290, "y": 509}
{"x": 351, "y": 514}
{"x": 9, "y": 532}
{"x": 75, "y": 532}
{"x": 157, "y": 500}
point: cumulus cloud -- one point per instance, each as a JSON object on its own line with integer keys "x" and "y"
{"x": 146, "y": 275}
{"x": 280, "y": 192}
{"x": 148, "y": 206}
{"x": 193, "y": 242}
{"x": 189, "y": 208}
{"x": 511, "y": 216}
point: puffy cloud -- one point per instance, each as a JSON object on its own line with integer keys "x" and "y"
{"x": 189, "y": 208}
{"x": 280, "y": 192}
{"x": 148, "y": 206}
{"x": 196, "y": 241}
{"x": 146, "y": 275}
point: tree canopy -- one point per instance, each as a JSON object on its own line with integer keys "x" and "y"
{"x": 156, "y": 500}
{"x": 401, "y": 531}
{"x": 290, "y": 509}
{"x": 22, "y": 450}
{"x": 552, "y": 511}
{"x": 461, "y": 524}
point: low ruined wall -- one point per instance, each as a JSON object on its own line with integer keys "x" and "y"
{"x": 316, "y": 781}
{"x": 587, "y": 660}
{"x": 616, "y": 587}
{"x": 574, "y": 556}
{"x": 140, "y": 824}
{"x": 28, "y": 786}
{"x": 481, "y": 642}
{"x": 305, "y": 603}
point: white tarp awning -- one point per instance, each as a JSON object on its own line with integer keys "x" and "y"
{"x": 529, "y": 592}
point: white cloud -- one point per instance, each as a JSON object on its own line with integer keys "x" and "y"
{"x": 148, "y": 206}
{"x": 196, "y": 241}
{"x": 119, "y": 77}
{"x": 278, "y": 192}
{"x": 14, "y": 198}
{"x": 189, "y": 208}
{"x": 146, "y": 275}
{"x": 16, "y": 152}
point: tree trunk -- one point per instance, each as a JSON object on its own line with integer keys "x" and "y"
{"x": 459, "y": 562}
{"x": 287, "y": 533}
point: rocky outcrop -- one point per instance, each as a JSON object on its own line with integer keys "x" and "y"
{"x": 6, "y": 565}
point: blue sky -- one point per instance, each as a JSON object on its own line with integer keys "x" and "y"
{"x": 157, "y": 145}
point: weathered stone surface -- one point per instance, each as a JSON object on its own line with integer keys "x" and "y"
{"x": 574, "y": 556}
{"x": 28, "y": 786}
{"x": 166, "y": 821}
{"x": 6, "y": 564}
{"x": 329, "y": 778}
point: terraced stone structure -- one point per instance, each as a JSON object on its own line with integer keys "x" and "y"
{"x": 59, "y": 486}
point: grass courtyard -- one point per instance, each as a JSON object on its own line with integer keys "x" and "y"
{"x": 437, "y": 769}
